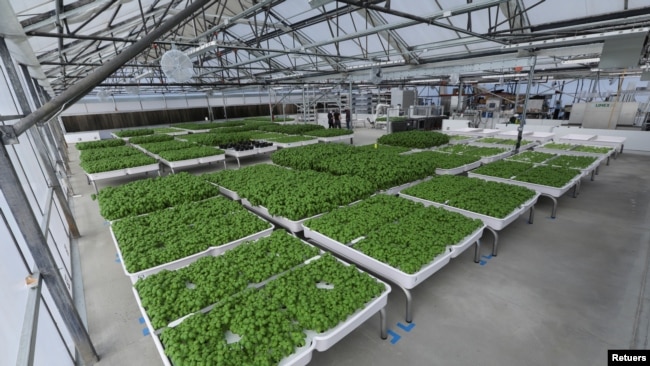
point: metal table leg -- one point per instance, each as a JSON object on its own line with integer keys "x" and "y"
{"x": 95, "y": 186}
{"x": 593, "y": 172}
{"x": 608, "y": 156}
{"x": 554, "y": 204}
{"x": 238, "y": 163}
{"x": 409, "y": 304}
{"x": 576, "y": 189}
{"x": 531, "y": 214}
{"x": 477, "y": 251}
{"x": 224, "y": 164}
{"x": 382, "y": 323}
{"x": 496, "y": 240}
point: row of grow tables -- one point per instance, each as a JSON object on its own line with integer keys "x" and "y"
{"x": 258, "y": 301}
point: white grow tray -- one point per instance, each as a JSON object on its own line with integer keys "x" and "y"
{"x": 291, "y": 225}
{"x": 262, "y": 150}
{"x": 612, "y": 141}
{"x": 182, "y": 262}
{"x": 585, "y": 171}
{"x": 459, "y": 170}
{"x": 492, "y": 222}
{"x": 106, "y": 175}
{"x": 286, "y": 145}
{"x": 180, "y": 163}
{"x": 396, "y": 190}
{"x": 313, "y": 341}
{"x": 212, "y": 158}
{"x": 336, "y": 138}
{"x": 404, "y": 280}
{"x": 301, "y": 357}
{"x": 542, "y": 148}
{"x": 310, "y": 142}
{"x": 493, "y": 158}
{"x": 143, "y": 169}
{"x": 547, "y": 190}
{"x": 240, "y": 154}
{"x": 227, "y": 192}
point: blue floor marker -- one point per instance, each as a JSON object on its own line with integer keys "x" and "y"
{"x": 117, "y": 258}
{"x": 396, "y": 337}
{"x": 145, "y": 332}
{"x": 141, "y": 320}
{"x": 487, "y": 257}
{"x": 406, "y": 328}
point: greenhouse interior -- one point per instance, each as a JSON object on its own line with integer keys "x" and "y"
{"x": 335, "y": 182}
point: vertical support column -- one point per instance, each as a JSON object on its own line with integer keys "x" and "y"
{"x": 522, "y": 120}
{"x": 37, "y": 244}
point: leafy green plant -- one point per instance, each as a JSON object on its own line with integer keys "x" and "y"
{"x": 531, "y": 157}
{"x": 116, "y": 152}
{"x": 502, "y": 141}
{"x": 557, "y": 146}
{"x": 572, "y": 161}
{"x": 192, "y": 152}
{"x": 289, "y": 193}
{"x": 207, "y": 125}
{"x": 132, "y": 133}
{"x": 415, "y": 139}
{"x": 266, "y": 135}
{"x": 290, "y": 139}
{"x": 166, "y": 130}
{"x": 548, "y": 176}
{"x": 593, "y": 149}
{"x": 443, "y": 161}
{"x": 150, "y": 138}
{"x": 99, "y": 144}
{"x": 473, "y": 194}
{"x": 216, "y": 139}
{"x": 291, "y": 129}
{"x": 459, "y": 137}
{"x": 263, "y": 334}
{"x": 383, "y": 167}
{"x": 170, "y": 295}
{"x": 261, "y": 327}
{"x": 167, "y": 235}
{"x": 153, "y": 194}
{"x": 330, "y": 132}
{"x": 110, "y": 164}
{"x": 319, "y": 309}
{"x": 503, "y": 168}
{"x": 396, "y": 231}
{"x": 382, "y": 148}
{"x": 472, "y": 150}
{"x": 157, "y": 147}
{"x": 345, "y": 224}
{"x": 267, "y": 119}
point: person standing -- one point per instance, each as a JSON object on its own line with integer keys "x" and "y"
{"x": 337, "y": 119}
{"x": 330, "y": 119}
{"x": 348, "y": 118}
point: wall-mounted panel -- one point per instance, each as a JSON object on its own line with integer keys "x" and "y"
{"x": 14, "y": 292}
{"x": 54, "y": 345}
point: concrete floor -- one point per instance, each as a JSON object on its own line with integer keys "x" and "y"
{"x": 561, "y": 291}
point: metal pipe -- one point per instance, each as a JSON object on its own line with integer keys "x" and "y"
{"x": 522, "y": 122}
{"x": 83, "y": 87}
